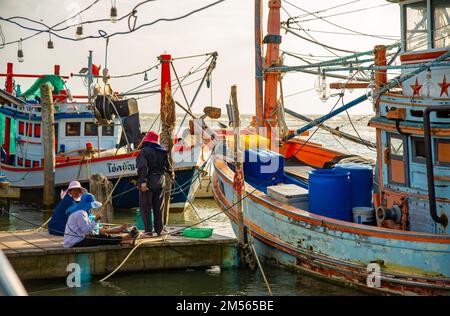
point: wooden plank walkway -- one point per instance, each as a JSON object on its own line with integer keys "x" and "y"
{"x": 39, "y": 255}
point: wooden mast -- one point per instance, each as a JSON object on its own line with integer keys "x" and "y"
{"x": 380, "y": 77}
{"x": 167, "y": 125}
{"x": 273, "y": 40}
{"x": 258, "y": 63}
{"x": 9, "y": 89}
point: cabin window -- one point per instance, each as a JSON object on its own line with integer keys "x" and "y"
{"x": 443, "y": 151}
{"x": 108, "y": 130}
{"x": 416, "y": 113}
{"x": 441, "y": 27}
{"x": 73, "y": 128}
{"x": 416, "y": 26}
{"x": 398, "y": 160}
{"x": 443, "y": 114}
{"x": 20, "y": 161}
{"x": 21, "y": 128}
{"x": 418, "y": 150}
{"x": 90, "y": 129}
{"x": 397, "y": 147}
{"x": 27, "y": 163}
{"x": 37, "y": 130}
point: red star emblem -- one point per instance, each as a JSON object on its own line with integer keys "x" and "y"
{"x": 416, "y": 87}
{"x": 444, "y": 86}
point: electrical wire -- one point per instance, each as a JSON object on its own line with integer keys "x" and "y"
{"x": 347, "y": 12}
{"x": 330, "y": 8}
{"x": 312, "y": 39}
{"x": 2, "y": 37}
{"x": 103, "y": 34}
{"x": 334, "y": 24}
{"x": 135, "y": 73}
{"x": 39, "y": 32}
{"x": 394, "y": 37}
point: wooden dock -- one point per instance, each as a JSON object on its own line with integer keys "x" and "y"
{"x": 38, "y": 255}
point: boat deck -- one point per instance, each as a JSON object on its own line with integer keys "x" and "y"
{"x": 39, "y": 255}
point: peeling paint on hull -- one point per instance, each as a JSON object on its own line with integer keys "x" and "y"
{"x": 411, "y": 263}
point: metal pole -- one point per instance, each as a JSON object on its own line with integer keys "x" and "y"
{"x": 443, "y": 219}
{"x": 10, "y": 283}
{"x": 48, "y": 111}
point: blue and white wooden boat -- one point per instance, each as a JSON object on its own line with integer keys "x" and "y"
{"x": 83, "y": 148}
{"x": 407, "y": 249}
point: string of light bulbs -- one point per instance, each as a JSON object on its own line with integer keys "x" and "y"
{"x": 101, "y": 33}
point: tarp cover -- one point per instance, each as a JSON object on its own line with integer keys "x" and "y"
{"x": 35, "y": 90}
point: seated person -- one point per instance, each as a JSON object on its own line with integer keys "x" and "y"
{"x": 69, "y": 197}
{"x": 80, "y": 229}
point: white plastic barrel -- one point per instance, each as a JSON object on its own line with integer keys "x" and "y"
{"x": 363, "y": 215}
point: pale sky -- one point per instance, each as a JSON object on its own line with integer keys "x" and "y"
{"x": 226, "y": 28}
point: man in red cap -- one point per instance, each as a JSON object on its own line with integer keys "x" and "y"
{"x": 152, "y": 162}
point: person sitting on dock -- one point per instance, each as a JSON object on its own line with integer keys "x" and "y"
{"x": 80, "y": 229}
{"x": 152, "y": 162}
{"x": 70, "y": 196}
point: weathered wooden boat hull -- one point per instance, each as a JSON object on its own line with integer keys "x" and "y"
{"x": 410, "y": 263}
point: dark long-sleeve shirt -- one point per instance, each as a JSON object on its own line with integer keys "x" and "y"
{"x": 152, "y": 162}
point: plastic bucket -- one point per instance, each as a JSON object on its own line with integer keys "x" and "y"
{"x": 140, "y": 221}
{"x": 364, "y": 215}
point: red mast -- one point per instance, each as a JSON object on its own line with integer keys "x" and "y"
{"x": 165, "y": 75}
{"x": 273, "y": 40}
{"x": 9, "y": 89}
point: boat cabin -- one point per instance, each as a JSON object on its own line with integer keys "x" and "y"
{"x": 406, "y": 116}
{"x": 75, "y": 130}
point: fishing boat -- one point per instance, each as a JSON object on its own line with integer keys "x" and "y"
{"x": 94, "y": 134}
{"x": 287, "y": 200}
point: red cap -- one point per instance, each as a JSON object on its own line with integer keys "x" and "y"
{"x": 151, "y": 137}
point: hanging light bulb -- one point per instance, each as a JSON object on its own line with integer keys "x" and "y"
{"x": 429, "y": 89}
{"x": 113, "y": 15}
{"x": 372, "y": 88}
{"x": 50, "y": 42}
{"x": 324, "y": 92}
{"x": 350, "y": 78}
{"x": 79, "y": 31}
{"x": 20, "y": 52}
{"x": 318, "y": 82}
{"x": 145, "y": 76}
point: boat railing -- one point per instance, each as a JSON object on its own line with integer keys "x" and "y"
{"x": 35, "y": 109}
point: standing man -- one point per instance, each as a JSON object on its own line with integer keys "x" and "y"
{"x": 152, "y": 162}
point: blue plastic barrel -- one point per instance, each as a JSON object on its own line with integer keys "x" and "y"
{"x": 263, "y": 167}
{"x": 330, "y": 193}
{"x": 361, "y": 178}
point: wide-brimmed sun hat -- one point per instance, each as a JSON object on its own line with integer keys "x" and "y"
{"x": 151, "y": 137}
{"x": 73, "y": 185}
{"x": 87, "y": 203}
